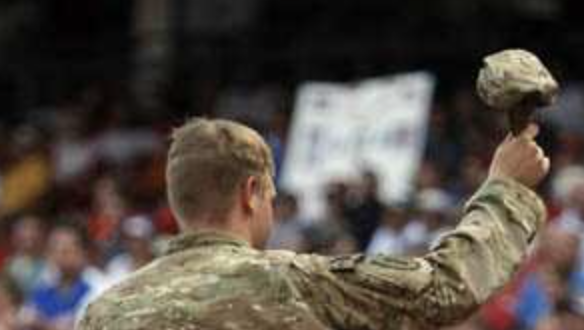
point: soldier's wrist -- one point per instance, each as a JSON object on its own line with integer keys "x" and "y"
{"x": 512, "y": 194}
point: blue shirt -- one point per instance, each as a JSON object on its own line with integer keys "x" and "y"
{"x": 534, "y": 304}
{"x": 52, "y": 301}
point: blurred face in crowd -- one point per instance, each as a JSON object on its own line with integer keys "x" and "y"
{"x": 66, "y": 252}
{"x": 434, "y": 219}
{"x": 137, "y": 234}
{"x": 107, "y": 198}
{"x": 394, "y": 218}
{"x": 140, "y": 249}
{"x": 27, "y": 235}
{"x": 286, "y": 207}
{"x": 137, "y": 246}
{"x": 562, "y": 257}
{"x": 428, "y": 176}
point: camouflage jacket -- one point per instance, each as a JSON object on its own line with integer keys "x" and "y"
{"x": 211, "y": 281}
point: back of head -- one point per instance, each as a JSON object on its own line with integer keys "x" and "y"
{"x": 207, "y": 160}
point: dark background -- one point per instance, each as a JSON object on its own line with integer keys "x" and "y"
{"x": 50, "y": 48}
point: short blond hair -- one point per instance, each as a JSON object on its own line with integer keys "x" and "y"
{"x": 208, "y": 159}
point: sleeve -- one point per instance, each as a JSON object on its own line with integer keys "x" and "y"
{"x": 445, "y": 286}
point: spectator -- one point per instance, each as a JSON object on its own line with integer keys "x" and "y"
{"x": 329, "y": 235}
{"x": 556, "y": 282}
{"x": 288, "y": 229}
{"x": 137, "y": 235}
{"x": 429, "y": 176}
{"x": 27, "y": 262}
{"x": 363, "y": 210}
{"x": 569, "y": 191}
{"x": 54, "y": 304}
{"x": 389, "y": 236}
{"x": 434, "y": 208}
{"x": 108, "y": 210}
{"x": 328, "y": 239}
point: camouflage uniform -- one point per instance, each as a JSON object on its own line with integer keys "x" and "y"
{"x": 215, "y": 282}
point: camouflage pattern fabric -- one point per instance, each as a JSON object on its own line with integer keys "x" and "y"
{"x": 509, "y": 76}
{"x": 211, "y": 281}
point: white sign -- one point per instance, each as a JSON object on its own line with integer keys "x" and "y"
{"x": 339, "y": 130}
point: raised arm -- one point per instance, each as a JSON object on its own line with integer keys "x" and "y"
{"x": 448, "y": 284}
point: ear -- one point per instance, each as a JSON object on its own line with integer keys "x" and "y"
{"x": 249, "y": 194}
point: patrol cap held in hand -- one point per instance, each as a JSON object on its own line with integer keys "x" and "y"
{"x": 510, "y": 76}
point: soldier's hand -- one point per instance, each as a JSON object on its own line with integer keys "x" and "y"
{"x": 521, "y": 159}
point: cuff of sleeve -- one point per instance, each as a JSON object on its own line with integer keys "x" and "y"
{"x": 522, "y": 204}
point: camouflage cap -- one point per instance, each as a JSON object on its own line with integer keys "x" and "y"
{"x": 509, "y": 76}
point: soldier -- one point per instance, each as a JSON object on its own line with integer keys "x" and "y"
{"x": 216, "y": 277}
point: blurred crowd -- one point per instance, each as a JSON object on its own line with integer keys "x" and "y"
{"x": 82, "y": 204}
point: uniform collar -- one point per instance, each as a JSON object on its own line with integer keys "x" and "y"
{"x": 192, "y": 240}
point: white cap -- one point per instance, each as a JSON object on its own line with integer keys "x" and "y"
{"x": 138, "y": 226}
{"x": 434, "y": 200}
{"x": 566, "y": 181}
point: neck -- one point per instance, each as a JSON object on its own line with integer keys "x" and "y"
{"x": 67, "y": 280}
{"x": 231, "y": 227}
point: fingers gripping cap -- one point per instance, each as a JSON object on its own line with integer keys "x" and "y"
{"x": 510, "y": 76}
